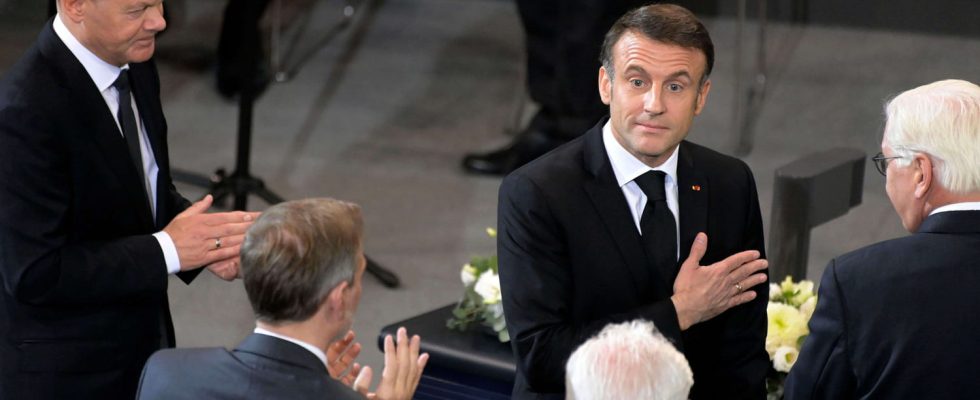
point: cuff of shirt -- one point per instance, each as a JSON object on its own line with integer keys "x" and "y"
{"x": 169, "y": 252}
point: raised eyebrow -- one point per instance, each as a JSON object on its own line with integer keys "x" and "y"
{"x": 637, "y": 69}
{"x": 680, "y": 74}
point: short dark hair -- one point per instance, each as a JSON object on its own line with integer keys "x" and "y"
{"x": 668, "y": 23}
{"x": 295, "y": 253}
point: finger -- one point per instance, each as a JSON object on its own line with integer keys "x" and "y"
{"x": 337, "y": 348}
{"x": 348, "y": 378}
{"x": 736, "y": 260}
{"x": 419, "y": 367}
{"x": 752, "y": 281}
{"x": 347, "y": 357}
{"x": 225, "y": 269}
{"x": 222, "y": 218}
{"x": 750, "y": 268}
{"x": 741, "y": 298}
{"x": 226, "y": 241}
{"x": 698, "y": 248}
{"x": 363, "y": 381}
{"x": 404, "y": 360}
{"x": 391, "y": 361}
{"x": 198, "y": 207}
{"x": 224, "y": 253}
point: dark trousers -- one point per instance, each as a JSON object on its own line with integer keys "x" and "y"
{"x": 563, "y": 39}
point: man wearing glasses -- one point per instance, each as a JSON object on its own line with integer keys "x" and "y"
{"x": 897, "y": 319}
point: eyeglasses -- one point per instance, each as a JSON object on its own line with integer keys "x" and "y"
{"x": 881, "y": 162}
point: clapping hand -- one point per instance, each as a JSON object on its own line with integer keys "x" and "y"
{"x": 340, "y": 359}
{"x": 402, "y": 371}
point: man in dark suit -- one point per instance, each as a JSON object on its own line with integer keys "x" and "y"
{"x": 897, "y": 319}
{"x": 302, "y": 263}
{"x": 90, "y": 223}
{"x": 592, "y": 233}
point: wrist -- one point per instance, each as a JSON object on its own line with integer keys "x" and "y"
{"x": 684, "y": 315}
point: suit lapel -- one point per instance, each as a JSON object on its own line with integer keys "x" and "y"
{"x": 98, "y": 123}
{"x": 692, "y": 198}
{"x": 609, "y": 202}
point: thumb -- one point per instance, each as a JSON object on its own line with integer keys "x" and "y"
{"x": 199, "y": 207}
{"x": 363, "y": 381}
{"x": 698, "y": 248}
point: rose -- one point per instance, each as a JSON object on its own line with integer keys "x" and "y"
{"x": 488, "y": 287}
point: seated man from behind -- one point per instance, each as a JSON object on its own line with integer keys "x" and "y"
{"x": 302, "y": 263}
{"x": 629, "y": 360}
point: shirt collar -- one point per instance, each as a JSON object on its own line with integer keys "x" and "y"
{"x": 101, "y": 72}
{"x": 313, "y": 349}
{"x": 965, "y": 206}
{"x": 627, "y": 167}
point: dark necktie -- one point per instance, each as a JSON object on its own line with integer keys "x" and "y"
{"x": 127, "y": 120}
{"x": 657, "y": 223}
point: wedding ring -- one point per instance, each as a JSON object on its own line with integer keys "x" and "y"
{"x": 738, "y": 286}
{"x": 217, "y": 243}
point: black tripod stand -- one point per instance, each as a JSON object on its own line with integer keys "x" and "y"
{"x": 240, "y": 183}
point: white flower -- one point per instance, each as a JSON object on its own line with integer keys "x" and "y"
{"x": 808, "y": 306}
{"x": 785, "y": 358}
{"x": 786, "y": 327}
{"x": 796, "y": 293}
{"x": 488, "y": 287}
{"x": 774, "y": 291}
{"x": 467, "y": 275}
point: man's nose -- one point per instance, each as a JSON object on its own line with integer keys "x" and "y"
{"x": 653, "y": 102}
{"x": 154, "y": 19}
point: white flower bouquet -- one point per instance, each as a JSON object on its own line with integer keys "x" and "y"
{"x": 790, "y": 306}
{"x": 481, "y": 302}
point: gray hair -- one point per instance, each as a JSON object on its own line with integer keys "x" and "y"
{"x": 296, "y": 252}
{"x": 630, "y": 360}
{"x": 941, "y": 119}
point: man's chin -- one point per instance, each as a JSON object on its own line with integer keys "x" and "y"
{"x": 143, "y": 53}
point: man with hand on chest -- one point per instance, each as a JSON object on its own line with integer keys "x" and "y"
{"x": 631, "y": 221}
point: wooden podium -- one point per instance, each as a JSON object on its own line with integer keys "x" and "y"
{"x": 470, "y": 365}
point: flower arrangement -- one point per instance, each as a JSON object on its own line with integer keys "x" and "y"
{"x": 791, "y": 305}
{"x": 481, "y": 301}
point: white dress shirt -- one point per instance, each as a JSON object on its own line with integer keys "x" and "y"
{"x": 965, "y": 206}
{"x": 626, "y": 167}
{"x": 104, "y": 75}
{"x": 313, "y": 349}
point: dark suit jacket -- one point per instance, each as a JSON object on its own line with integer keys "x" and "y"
{"x": 262, "y": 367}
{"x": 83, "y": 301}
{"x": 571, "y": 262}
{"x": 898, "y": 319}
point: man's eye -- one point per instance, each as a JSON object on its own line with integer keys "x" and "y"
{"x": 636, "y": 83}
{"x": 673, "y": 87}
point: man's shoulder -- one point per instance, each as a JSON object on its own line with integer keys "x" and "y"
{"x": 562, "y": 166}
{"x": 880, "y": 261}
{"x": 711, "y": 160}
{"x": 188, "y": 359}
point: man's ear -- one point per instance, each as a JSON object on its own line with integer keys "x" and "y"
{"x": 924, "y": 174}
{"x": 336, "y": 299}
{"x": 74, "y": 10}
{"x": 605, "y": 86}
{"x": 702, "y": 96}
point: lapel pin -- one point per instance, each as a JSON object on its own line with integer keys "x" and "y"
{"x": 696, "y": 188}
